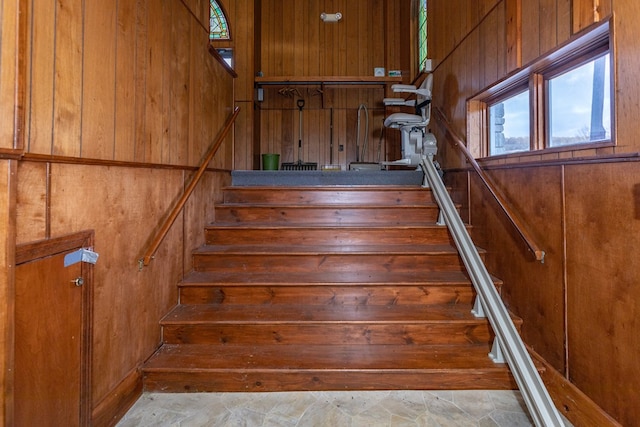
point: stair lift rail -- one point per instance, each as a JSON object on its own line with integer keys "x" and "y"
{"x": 508, "y": 342}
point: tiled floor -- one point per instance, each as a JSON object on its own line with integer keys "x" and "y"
{"x": 335, "y": 409}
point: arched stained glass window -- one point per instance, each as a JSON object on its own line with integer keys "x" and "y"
{"x": 422, "y": 34}
{"x": 218, "y": 28}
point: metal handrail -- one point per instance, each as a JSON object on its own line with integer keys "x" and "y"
{"x": 509, "y": 342}
{"x": 495, "y": 192}
{"x": 164, "y": 229}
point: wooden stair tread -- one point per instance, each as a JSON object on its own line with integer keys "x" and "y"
{"x": 328, "y": 249}
{"x": 340, "y": 187}
{"x": 318, "y": 357}
{"x": 323, "y": 226}
{"x": 357, "y": 278}
{"x": 324, "y": 314}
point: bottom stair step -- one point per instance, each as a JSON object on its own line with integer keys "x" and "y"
{"x": 220, "y": 368}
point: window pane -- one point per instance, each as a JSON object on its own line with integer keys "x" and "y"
{"x": 218, "y": 29}
{"x": 580, "y": 105}
{"x": 509, "y": 130}
{"x": 227, "y": 55}
{"x": 422, "y": 35}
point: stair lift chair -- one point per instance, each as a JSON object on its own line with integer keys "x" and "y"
{"x": 416, "y": 141}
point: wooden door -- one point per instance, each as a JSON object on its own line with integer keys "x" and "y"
{"x": 51, "y": 355}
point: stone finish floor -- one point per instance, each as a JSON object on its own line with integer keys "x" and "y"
{"x": 334, "y": 409}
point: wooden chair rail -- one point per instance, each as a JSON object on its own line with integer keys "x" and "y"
{"x": 155, "y": 243}
{"x": 495, "y": 192}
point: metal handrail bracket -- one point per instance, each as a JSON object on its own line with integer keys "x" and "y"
{"x": 534, "y": 392}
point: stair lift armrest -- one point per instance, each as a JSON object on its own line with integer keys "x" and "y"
{"x": 403, "y": 88}
{"x": 401, "y": 102}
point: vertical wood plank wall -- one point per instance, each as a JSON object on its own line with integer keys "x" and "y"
{"x": 295, "y": 42}
{"x": 122, "y": 101}
{"x": 11, "y": 90}
{"x": 580, "y": 307}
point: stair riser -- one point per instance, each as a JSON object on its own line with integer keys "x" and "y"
{"x": 329, "y": 197}
{"x": 311, "y": 236}
{"x": 326, "y": 263}
{"x": 321, "y": 295}
{"x": 327, "y": 215}
{"x": 433, "y": 333}
{"x": 319, "y": 380}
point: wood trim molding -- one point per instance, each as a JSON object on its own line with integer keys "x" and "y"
{"x": 11, "y": 154}
{"x": 487, "y": 164}
{"x": 98, "y": 162}
{"x": 570, "y": 401}
{"x": 117, "y": 402}
{"x": 31, "y": 251}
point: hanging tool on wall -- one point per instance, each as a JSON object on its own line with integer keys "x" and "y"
{"x": 299, "y": 165}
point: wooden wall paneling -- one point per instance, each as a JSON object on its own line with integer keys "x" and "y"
{"x": 196, "y": 145}
{"x": 243, "y": 53}
{"x": 41, "y": 62}
{"x": 627, "y": 85}
{"x": 313, "y": 42}
{"x": 199, "y": 9}
{"x": 355, "y": 35}
{"x": 301, "y": 38}
{"x": 142, "y": 71}
{"x": 489, "y": 39}
{"x": 530, "y": 30}
{"x": 400, "y": 37}
{"x": 69, "y": 71}
{"x": 435, "y": 25}
{"x": 31, "y": 208}
{"x": 564, "y": 29}
{"x": 287, "y": 138}
{"x": 584, "y": 14}
{"x": 485, "y": 6}
{"x": 180, "y": 87}
{"x": 602, "y": 293}
{"x": 7, "y": 285}
{"x": 243, "y": 136}
{"x": 365, "y": 44}
{"x": 200, "y": 210}
{"x": 9, "y": 57}
{"x": 155, "y": 147}
{"x": 501, "y": 29}
{"x": 99, "y": 79}
{"x": 532, "y": 290}
{"x": 548, "y": 30}
{"x": 128, "y": 304}
{"x": 514, "y": 34}
{"x": 269, "y": 119}
{"x": 125, "y": 85}
{"x": 289, "y": 34}
{"x": 340, "y": 47}
{"x": 605, "y": 9}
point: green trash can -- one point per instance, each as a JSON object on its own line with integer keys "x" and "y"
{"x": 270, "y": 162}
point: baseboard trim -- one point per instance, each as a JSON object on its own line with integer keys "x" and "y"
{"x": 117, "y": 402}
{"x": 576, "y": 406}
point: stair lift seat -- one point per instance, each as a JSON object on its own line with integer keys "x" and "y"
{"x": 416, "y": 141}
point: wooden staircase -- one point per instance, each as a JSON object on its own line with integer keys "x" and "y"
{"x": 325, "y": 288}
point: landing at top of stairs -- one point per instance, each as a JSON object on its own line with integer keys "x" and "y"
{"x": 319, "y": 178}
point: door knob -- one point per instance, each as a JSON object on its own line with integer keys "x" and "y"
{"x": 78, "y": 281}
